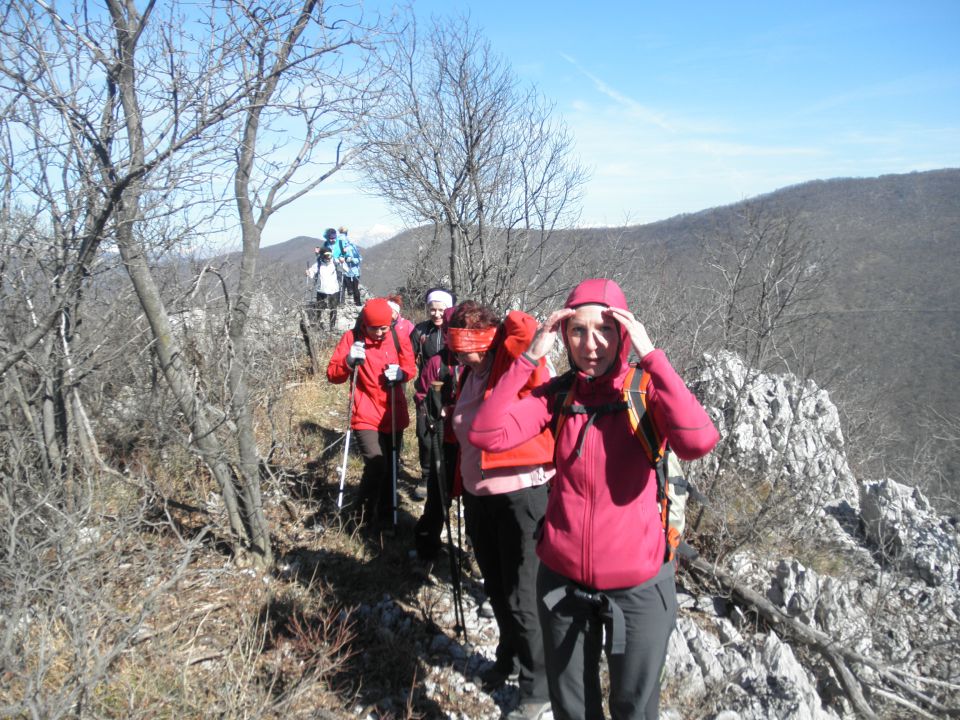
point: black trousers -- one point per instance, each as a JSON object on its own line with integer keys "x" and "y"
{"x": 502, "y": 529}
{"x": 429, "y": 530}
{"x": 351, "y": 285}
{"x": 376, "y": 483}
{"x": 423, "y": 441}
{"x": 328, "y": 302}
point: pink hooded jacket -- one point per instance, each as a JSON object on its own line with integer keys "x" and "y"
{"x": 602, "y": 528}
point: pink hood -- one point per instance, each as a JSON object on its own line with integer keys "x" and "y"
{"x": 601, "y": 291}
{"x": 598, "y": 291}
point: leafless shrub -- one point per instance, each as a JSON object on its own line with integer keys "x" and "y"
{"x": 122, "y": 128}
{"x": 462, "y": 147}
{"x": 68, "y": 611}
{"x": 756, "y": 296}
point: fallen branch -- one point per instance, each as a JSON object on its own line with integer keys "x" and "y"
{"x": 836, "y": 654}
{"x": 893, "y": 697}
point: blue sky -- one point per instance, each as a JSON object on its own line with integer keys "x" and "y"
{"x": 678, "y": 107}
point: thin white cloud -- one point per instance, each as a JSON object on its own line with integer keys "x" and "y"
{"x": 615, "y": 139}
{"x": 727, "y": 149}
{"x": 637, "y": 110}
{"x": 897, "y": 88}
{"x": 331, "y": 189}
{"x": 627, "y": 109}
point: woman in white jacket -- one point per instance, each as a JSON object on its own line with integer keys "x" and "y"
{"x": 326, "y": 285}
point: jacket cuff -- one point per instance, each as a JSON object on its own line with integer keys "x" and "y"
{"x": 529, "y": 359}
{"x": 651, "y": 358}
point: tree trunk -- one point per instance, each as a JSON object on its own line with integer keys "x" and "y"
{"x": 311, "y": 341}
{"x": 170, "y": 357}
{"x": 243, "y": 509}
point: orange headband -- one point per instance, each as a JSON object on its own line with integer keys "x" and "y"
{"x": 463, "y": 340}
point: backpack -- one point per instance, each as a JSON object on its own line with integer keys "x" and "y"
{"x": 421, "y": 334}
{"x": 350, "y": 253}
{"x": 673, "y": 488}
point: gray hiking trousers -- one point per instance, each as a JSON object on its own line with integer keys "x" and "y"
{"x": 637, "y": 623}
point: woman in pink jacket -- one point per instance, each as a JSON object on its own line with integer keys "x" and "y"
{"x": 602, "y": 543}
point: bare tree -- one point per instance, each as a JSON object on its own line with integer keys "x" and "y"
{"x": 767, "y": 273}
{"x": 286, "y": 64}
{"x": 756, "y": 295}
{"x": 120, "y": 124}
{"x": 462, "y": 146}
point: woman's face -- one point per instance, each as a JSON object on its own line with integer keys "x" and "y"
{"x": 476, "y": 361}
{"x": 593, "y": 338}
{"x": 435, "y": 310}
{"x": 377, "y": 332}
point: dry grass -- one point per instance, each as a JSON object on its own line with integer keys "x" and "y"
{"x": 194, "y": 636}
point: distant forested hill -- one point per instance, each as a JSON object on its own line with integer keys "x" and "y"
{"x": 890, "y": 310}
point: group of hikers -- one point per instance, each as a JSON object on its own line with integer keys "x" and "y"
{"x": 335, "y": 274}
{"x": 561, "y": 502}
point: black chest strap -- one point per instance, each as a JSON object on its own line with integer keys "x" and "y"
{"x": 592, "y": 412}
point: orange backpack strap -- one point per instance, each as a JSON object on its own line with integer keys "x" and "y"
{"x": 635, "y": 393}
{"x": 635, "y": 386}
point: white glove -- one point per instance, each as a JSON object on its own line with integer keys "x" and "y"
{"x": 393, "y": 373}
{"x": 357, "y": 354}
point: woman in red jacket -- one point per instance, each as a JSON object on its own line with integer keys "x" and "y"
{"x": 504, "y": 496}
{"x": 383, "y": 361}
{"x": 602, "y": 547}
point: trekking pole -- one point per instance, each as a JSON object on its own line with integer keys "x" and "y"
{"x": 393, "y": 450}
{"x": 346, "y": 444}
{"x": 439, "y": 468}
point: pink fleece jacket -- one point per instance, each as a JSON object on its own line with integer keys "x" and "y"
{"x": 602, "y": 527}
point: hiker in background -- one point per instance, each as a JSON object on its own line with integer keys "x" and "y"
{"x": 383, "y": 361}
{"x": 427, "y": 340}
{"x": 603, "y": 573}
{"x": 349, "y": 259}
{"x": 326, "y": 286}
{"x": 442, "y": 367}
{"x": 402, "y": 325}
{"x": 330, "y": 242}
{"x": 504, "y": 497}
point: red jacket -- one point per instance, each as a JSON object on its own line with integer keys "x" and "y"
{"x": 602, "y": 527}
{"x": 371, "y": 403}
{"x": 512, "y": 340}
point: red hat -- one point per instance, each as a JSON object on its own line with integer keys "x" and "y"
{"x": 377, "y": 313}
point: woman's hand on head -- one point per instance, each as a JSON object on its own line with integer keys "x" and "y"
{"x": 543, "y": 341}
{"x": 635, "y": 330}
